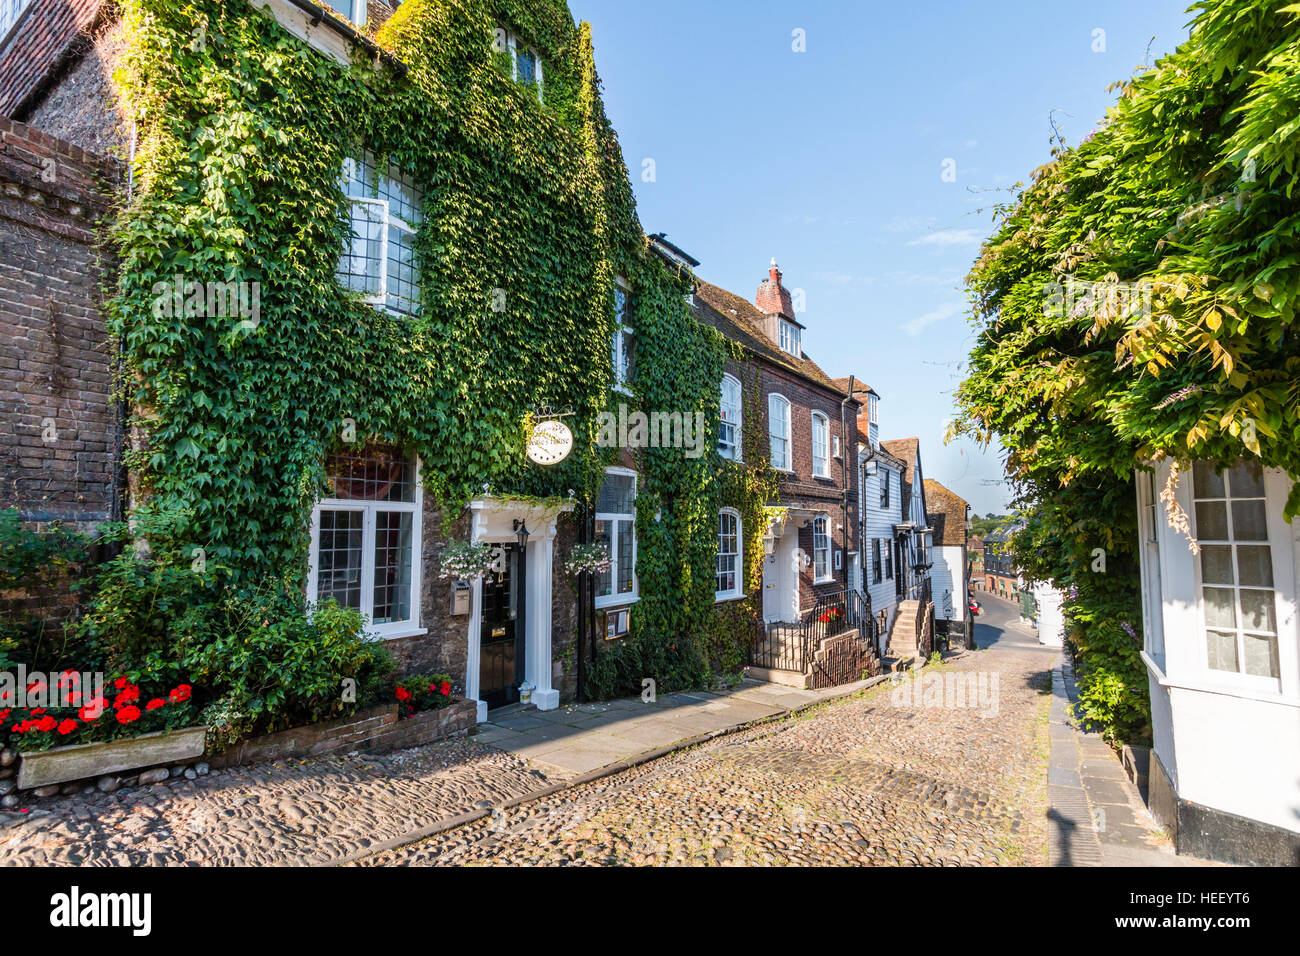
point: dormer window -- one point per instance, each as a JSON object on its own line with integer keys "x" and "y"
{"x": 525, "y": 63}
{"x": 790, "y": 338}
{"x": 354, "y": 10}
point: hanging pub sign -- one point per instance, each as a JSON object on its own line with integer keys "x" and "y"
{"x": 550, "y": 442}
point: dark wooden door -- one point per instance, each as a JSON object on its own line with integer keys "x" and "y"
{"x": 497, "y": 669}
{"x": 899, "y": 570}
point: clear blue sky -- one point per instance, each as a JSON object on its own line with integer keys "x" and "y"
{"x": 832, "y": 161}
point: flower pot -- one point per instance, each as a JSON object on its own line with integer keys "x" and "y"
{"x": 44, "y": 767}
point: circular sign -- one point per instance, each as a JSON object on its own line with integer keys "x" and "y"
{"x": 550, "y": 443}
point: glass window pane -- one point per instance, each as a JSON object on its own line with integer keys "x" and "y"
{"x": 403, "y": 279}
{"x": 361, "y": 267}
{"x": 1248, "y": 520}
{"x": 1246, "y": 480}
{"x": 1261, "y": 655}
{"x": 617, "y": 494}
{"x": 626, "y": 541}
{"x": 392, "y": 566}
{"x": 1220, "y": 608}
{"x": 1216, "y": 564}
{"x": 1255, "y": 564}
{"x": 1257, "y": 611}
{"x": 1211, "y": 521}
{"x": 604, "y": 580}
{"x": 1222, "y": 648}
{"x": 372, "y": 473}
{"x": 1206, "y": 482}
{"x": 338, "y": 558}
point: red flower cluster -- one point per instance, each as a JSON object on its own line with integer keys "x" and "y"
{"x": 180, "y": 693}
{"x": 402, "y": 693}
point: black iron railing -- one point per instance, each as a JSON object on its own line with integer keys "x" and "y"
{"x": 792, "y": 646}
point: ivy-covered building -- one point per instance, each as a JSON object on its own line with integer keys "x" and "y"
{"x": 360, "y": 250}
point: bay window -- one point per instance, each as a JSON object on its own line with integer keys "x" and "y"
{"x": 365, "y": 539}
{"x": 616, "y": 529}
{"x": 1235, "y": 565}
{"x": 778, "y": 429}
{"x": 729, "y": 426}
{"x": 378, "y": 260}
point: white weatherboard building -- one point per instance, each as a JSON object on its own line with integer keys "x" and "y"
{"x": 1222, "y": 652}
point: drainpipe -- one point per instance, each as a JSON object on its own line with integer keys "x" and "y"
{"x": 844, "y": 470}
{"x": 580, "y": 636}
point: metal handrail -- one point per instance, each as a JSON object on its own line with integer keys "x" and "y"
{"x": 793, "y": 645}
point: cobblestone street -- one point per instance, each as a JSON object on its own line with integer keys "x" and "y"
{"x": 860, "y": 781}
{"x": 886, "y": 776}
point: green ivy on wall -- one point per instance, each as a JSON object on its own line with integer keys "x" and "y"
{"x": 243, "y": 131}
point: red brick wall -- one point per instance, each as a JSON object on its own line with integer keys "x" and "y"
{"x": 801, "y": 489}
{"x": 59, "y": 444}
{"x": 38, "y": 44}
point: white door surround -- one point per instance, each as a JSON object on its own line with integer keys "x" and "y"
{"x": 492, "y": 520}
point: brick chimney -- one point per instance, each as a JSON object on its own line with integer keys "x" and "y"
{"x": 772, "y": 298}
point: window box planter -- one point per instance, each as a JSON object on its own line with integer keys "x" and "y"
{"x": 81, "y": 761}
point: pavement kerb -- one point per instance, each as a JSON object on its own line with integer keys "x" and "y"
{"x": 627, "y": 763}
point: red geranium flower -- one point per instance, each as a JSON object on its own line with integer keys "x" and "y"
{"x": 120, "y": 683}
{"x": 402, "y": 693}
{"x": 91, "y": 710}
{"x": 4, "y": 714}
{"x": 36, "y": 712}
{"x": 46, "y": 724}
{"x": 128, "y": 696}
{"x": 179, "y": 693}
{"x": 155, "y": 704}
{"x": 36, "y": 686}
{"x": 445, "y": 688}
{"x": 67, "y": 727}
{"x": 128, "y": 714}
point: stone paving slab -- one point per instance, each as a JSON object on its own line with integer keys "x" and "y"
{"x": 1098, "y": 818}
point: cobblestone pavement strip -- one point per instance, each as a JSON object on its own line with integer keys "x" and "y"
{"x": 866, "y": 780}
{"x": 309, "y": 811}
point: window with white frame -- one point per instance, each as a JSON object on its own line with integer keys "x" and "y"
{"x": 821, "y": 549}
{"x": 365, "y": 538}
{"x": 729, "y": 426}
{"x": 616, "y": 529}
{"x": 10, "y": 11}
{"x": 729, "y": 552}
{"x": 378, "y": 259}
{"x": 778, "y": 430}
{"x": 525, "y": 63}
{"x": 1235, "y": 563}
{"x": 821, "y": 428}
{"x": 876, "y": 567}
{"x": 623, "y": 344}
{"x": 790, "y": 338}
{"x": 889, "y": 559}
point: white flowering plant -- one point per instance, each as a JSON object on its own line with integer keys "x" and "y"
{"x": 462, "y": 562}
{"x": 592, "y": 558}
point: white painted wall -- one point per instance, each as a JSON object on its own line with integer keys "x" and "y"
{"x": 1051, "y": 620}
{"x": 1227, "y": 741}
{"x": 878, "y": 524}
{"x": 948, "y": 582}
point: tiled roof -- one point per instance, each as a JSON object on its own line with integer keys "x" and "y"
{"x": 908, "y": 449}
{"x": 946, "y": 511}
{"x": 859, "y": 387}
{"x": 739, "y": 320}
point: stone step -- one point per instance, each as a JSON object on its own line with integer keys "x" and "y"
{"x": 892, "y": 665}
{"x": 774, "y": 675}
